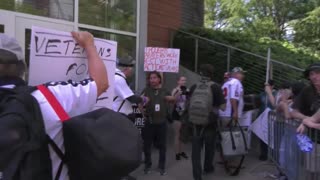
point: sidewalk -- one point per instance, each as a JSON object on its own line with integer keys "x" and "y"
{"x": 182, "y": 170}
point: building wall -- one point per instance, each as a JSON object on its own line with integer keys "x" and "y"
{"x": 163, "y": 15}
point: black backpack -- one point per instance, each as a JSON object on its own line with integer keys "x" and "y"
{"x": 99, "y": 145}
{"x": 24, "y": 153}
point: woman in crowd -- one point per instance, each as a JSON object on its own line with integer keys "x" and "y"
{"x": 178, "y": 113}
{"x": 156, "y": 123}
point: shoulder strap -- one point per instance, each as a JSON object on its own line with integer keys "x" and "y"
{"x": 63, "y": 116}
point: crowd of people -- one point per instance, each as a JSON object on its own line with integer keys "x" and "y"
{"x": 206, "y": 105}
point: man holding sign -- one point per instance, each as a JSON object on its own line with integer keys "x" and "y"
{"x": 75, "y": 98}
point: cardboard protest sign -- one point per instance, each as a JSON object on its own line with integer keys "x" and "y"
{"x": 55, "y": 56}
{"x": 161, "y": 59}
{"x": 139, "y": 120}
{"x": 261, "y": 128}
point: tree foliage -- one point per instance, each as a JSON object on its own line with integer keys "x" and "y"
{"x": 307, "y": 30}
{"x": 260, "y": 18}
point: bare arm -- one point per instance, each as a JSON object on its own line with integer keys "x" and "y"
{"x": 297, "y": 115}
{"x": 234, "y": 105}
{"x": 170, "y": 99}
{"x": 97, "y": 69}
{"x": 270, "y": 96}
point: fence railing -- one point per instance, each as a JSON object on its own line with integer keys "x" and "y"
{"x": 285, "y": 152}
{"x": 196, "y": 50}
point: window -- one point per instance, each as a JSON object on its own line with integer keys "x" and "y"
{"x": 114, "y": 14}
{"x": 126, "y": 47}
{"x": 59, "y": 9}
{"x": 126, "y": 44}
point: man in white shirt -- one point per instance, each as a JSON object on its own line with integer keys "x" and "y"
{"x": 233, "y": 93}
{"x": 124, "y": 96}
{"x": 76, "y": 98}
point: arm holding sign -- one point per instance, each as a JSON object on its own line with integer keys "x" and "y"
{"x": 97, "y": 68}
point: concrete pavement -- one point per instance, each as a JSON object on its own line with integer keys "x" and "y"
{"x": 182, "y": 170}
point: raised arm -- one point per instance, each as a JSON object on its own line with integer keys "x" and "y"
{"x": 97, "y": 69}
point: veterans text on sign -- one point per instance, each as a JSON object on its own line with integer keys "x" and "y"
{"x": 55, "y": 56}
{"x": 161, "y": 59}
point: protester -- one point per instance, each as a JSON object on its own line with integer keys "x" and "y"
{"x": 206, "y": 134}
{"x": 124, "y": 97}
{"x": 233, "y": 93}
{"x": 75, "y": 98}
{"x": 156, "y": 123}
{"x": 178, "y": 114}
{"x": 268, "y": 100}
{"x": 289, "y": 95}
{"x": 226, "y": 77}
{"x": 308, "y": 103}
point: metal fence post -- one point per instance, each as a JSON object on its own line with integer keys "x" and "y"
{"x": 268, "y": 65}
{"x": 196, "y": 55}
{"x": 228, "y": 60}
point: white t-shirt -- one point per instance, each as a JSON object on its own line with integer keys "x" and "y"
{"x": 76, "y": 99}
{"x": 121, "y": 92}
{"x": 233, "y": 89}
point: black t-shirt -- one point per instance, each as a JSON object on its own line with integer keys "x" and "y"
{"x": 217, "y": 94}
{"x": 307, "y": 102}
{"x": 157, "y": 108}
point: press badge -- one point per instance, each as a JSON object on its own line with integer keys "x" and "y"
{"x": 157, "y": 107}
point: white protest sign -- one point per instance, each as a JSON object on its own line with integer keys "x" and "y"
{"x": 55, "y": 56}
{"x": 161, "y": 59}
{"x": 261, "y": 127}
{"x": 247, "y": 117}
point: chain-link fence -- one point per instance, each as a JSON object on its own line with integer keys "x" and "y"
{"x": 196, "y": 50}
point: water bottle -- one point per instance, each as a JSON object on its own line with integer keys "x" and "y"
{"x": 304, "y": 143}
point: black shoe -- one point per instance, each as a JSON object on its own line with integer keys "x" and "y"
{"x": 208, "y": 171}
{"x": 147, "y": 170}
{"x": 163, "y": 172}
{"x": 184, "y": 155}
{"x": 178, "y": 157}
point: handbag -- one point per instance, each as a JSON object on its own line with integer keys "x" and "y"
{"x": 234, "y": 141}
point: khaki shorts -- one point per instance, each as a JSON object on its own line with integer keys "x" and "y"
{"x": 312, "y": 159}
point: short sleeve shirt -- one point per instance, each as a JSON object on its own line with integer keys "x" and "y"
{"x": 233, "y": 89}
{"x": 157, "y": 107}
{"x": 122, "y": 91}
{"x": 75, "y": 98}
{"x": 307, "y": 102}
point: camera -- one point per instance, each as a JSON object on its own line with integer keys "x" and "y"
{"x": 184, "y": 90}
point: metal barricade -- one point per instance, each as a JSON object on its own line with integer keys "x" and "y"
{"x": 284, "y": 151}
